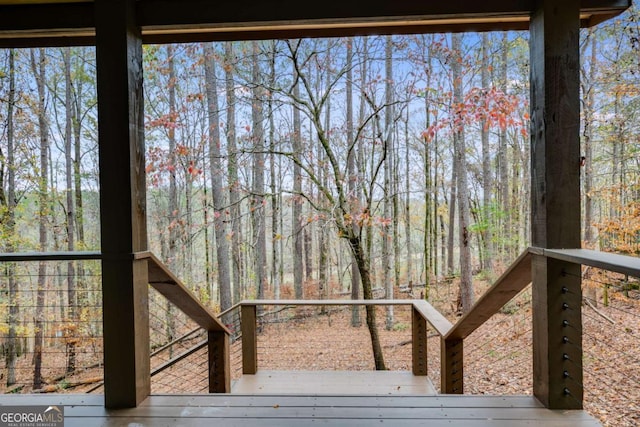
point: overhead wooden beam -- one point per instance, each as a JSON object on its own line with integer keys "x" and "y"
{"x": 201, "y": 13}
{"x": 555, "y": 202}
{"x": 123, "y": 227}
{"x": 165, "y": 21}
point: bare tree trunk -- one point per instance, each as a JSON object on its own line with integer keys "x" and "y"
{"x": 503, "y": 161}
{"x": 363, "y": 265}
{"x": 276, "y": 200}
{"x": 388, "y": 179}
{"x": 257, "y": 199}
{"x": 232, "y": 166}
{"x": 77, "y": 179}
{"x": 297, "y": 199}
{"x": 323, "y": 243}
{"x": 367, "y": 227}
{"x": 429, "y": 193}
{"x": 588, "y": 92}
{"x": 407, "y": 204}
{"x": 173, "y": 214}
{"x": 9, "y": 201}
{"x": 487, "y": 177}
{"x": 354, "y": 195}
{"x": 437, "y": 218}
{"x": 466, "y": 280}
{"x": 38, "y": 66}
{"x": 452, "y": 218}
{"x": 427, "y": 254}
{"x": 72, "y": 315}
{"x": 217, "y": 178}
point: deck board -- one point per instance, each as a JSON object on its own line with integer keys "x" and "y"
{"x": 333, "y": 382}
{"x": 306, "y": 410}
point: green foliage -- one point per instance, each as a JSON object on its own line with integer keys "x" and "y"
{"x": 511, "y": 307}
{"x": 400, "y": 327}
{"x": 16, "y": 390}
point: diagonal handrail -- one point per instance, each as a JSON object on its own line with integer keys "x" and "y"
{"x": 165, "y": 282}
{"x": 508, "y": 285}
{"x": 518, "y": 276}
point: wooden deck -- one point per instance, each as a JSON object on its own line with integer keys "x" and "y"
{"x": 231, "y": 410}
{"x": 334, "y": 382}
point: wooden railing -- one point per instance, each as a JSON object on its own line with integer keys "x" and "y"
{"x": 167, "y": 284}
{"x": 422, "y": 313}
{"x": 513, "y": 281}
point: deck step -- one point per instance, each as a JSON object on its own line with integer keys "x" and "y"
{"x": 334, "y": 382}
{"x": 308, "y": 410}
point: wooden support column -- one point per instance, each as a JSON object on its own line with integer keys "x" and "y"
{"x": 219, "y": 363}
{"x": 123, "y": 225}
{"x": 248, "y": 318}
{"x": 555, "y": 203}
{"x": 452, "y": 366}
{"x": 419, "y": 342}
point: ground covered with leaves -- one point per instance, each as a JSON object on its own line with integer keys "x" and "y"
{"x": 498, "y": 356}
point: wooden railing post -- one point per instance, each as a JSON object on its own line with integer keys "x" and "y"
{"x": 419, "y": 349}
{"x": 555, "y": 201}
{"x": 249, "y": 339}
{"x": 452, "y": 359}
{"x": 123, "y": 226}
{"x": 219, "y": 362}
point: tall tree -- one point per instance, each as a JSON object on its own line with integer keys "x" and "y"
{"x": 336, "y": 195}
{"x": 429, "y": 248}
{"x": 407, "y": 201}
{"x": 173, "y": 211}
{"x": 276, "y": 199}
{"x": 296, "y": 216}
{"x": 387, "y": 236}
{"x": 8, "y": 203}
{"x": 459, "y": 146}
{"x": 588, "y": 90}
{"x": 38, "y": 67}
{"x": 354, "y": 196}
{"x": 232, "y": 167}
{"x": 487, "y": 176}
{"x": 80, "y": 111}
{"x": 503, "y": 160}
{"x": 323, "y": 239}
{"x": 453, "y": 199}
{"x": 257, "y": 199}
{"x": 217, "y": 176}
{"x": 72, "y": 314}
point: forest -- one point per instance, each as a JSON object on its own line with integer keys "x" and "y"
{"x": 315, "y": 168}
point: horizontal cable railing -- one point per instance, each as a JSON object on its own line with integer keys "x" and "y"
{"x": 611, "y": 346}
{"x": 498, "y": 354}
{"x": 55, "y": 299}
{"x": 50, "y": 322}
{"x": 489, "y": 350}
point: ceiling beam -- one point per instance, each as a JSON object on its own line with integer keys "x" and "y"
{"x": 164, "y": 21}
